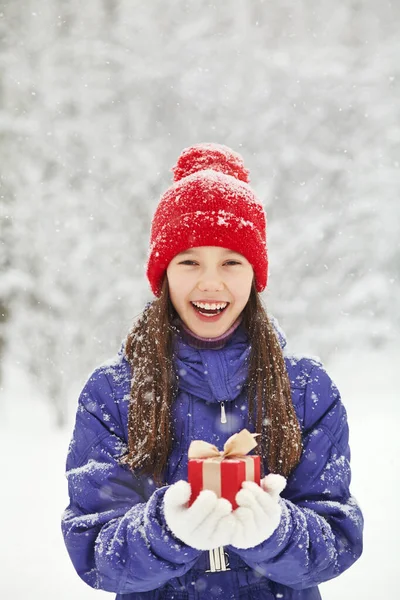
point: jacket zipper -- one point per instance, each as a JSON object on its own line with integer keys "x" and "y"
{"x": 223, "y": 414}
{"x": 190, "y": 419}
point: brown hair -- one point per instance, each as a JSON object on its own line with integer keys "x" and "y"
{"x": 149, "y": 350}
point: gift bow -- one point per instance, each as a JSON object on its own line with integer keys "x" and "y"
{"x": 239, "y": 444}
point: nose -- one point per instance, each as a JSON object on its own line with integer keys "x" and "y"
{"x": 210, "y": 281}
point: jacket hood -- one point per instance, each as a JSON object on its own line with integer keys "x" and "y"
{"x": 215, "y": 375}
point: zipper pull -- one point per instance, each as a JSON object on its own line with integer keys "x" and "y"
{"x": 223, "y": 415}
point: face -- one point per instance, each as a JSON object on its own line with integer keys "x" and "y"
{"x": 209, "y": 287}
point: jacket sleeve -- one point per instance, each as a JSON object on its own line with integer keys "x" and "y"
{"x": 320, "y": 533}
{"x": 116, "y": 537}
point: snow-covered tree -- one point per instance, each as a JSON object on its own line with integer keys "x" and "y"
{"x": 98, "y": 99}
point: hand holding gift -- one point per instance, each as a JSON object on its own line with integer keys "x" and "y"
{"x": 200, "y": 512}
{"x": 259, "y": 511}
{"x": 206, "y": 524}
{"x": 233, "y": 475}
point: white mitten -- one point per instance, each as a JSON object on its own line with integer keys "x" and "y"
{"x": 205, "y": 525}
{"x": 259, "y": 512}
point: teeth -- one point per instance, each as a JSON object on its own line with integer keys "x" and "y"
{"x": 210, "y": 306}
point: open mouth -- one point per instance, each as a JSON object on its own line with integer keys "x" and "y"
{"x": 210, "y": 310}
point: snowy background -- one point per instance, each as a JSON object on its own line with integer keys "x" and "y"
{"x": 97, "y": 100}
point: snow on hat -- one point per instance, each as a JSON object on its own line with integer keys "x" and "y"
{"x": 210, "y": 204}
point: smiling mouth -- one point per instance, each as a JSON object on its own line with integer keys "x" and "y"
{"x": 211, "y": 312}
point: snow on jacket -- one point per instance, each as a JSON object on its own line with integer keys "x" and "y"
{"x": 114, "y": 528}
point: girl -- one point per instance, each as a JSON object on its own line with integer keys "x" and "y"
{"x": 204, "y": 361}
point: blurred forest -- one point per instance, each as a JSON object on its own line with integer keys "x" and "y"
{"x": 97, "y": 100}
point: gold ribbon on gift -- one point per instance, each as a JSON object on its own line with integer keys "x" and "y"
{"x": 238, "y": 445}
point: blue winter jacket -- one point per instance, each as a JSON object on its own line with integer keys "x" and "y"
{"x": 114, "y": 527}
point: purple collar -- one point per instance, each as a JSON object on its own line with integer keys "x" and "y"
{"x": 202, "y": 343}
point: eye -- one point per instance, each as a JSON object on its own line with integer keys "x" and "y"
{"x": 232, "y": 262}
{"x": 187, "y": 262}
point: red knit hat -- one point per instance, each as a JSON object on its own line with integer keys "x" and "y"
{"x": 210, "y": 204}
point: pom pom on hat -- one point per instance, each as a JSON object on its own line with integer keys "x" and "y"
{"x": 210, "y": 204}
{"x": 210, "y": 156}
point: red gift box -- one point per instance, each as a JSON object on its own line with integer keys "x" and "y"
{"x": 223, "y": 472}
